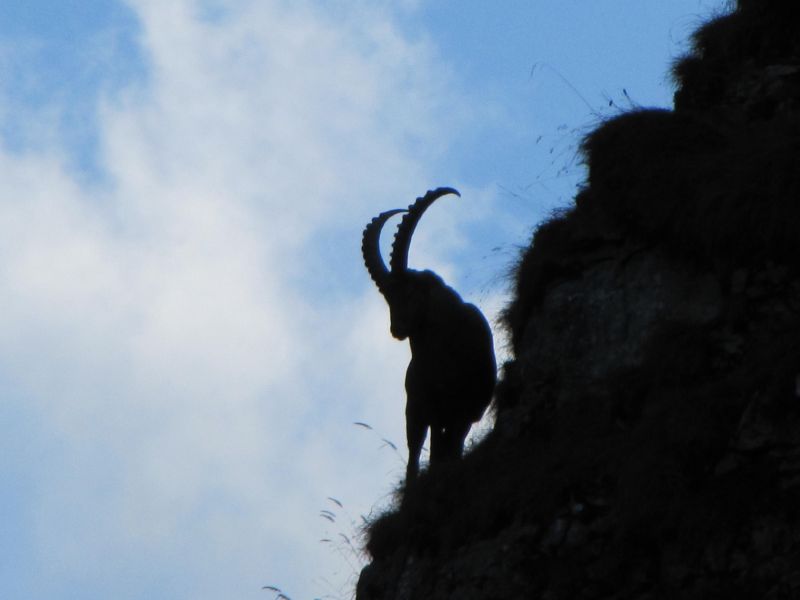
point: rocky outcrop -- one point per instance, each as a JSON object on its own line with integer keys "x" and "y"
{"x": 647, "y": 437}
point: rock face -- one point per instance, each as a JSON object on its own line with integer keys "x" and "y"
{"x": 647, "y": 441}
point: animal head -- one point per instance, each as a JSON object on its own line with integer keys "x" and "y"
{"x": 409, "y": 293}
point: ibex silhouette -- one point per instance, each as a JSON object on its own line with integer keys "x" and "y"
{"x": 452, "y": 373}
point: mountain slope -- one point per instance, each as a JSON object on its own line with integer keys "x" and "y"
{"x": 647, "y": 442}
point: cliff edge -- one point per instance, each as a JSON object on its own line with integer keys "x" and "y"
{"x": 647, "y": 437}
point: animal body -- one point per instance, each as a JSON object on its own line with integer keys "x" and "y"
{"x": 451, "y": 377}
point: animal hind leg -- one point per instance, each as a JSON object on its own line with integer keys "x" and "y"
{"x": 447, "y": 443}
{"x": 416, "y": 429}
{"x": 455, "y": 435}
{"x": 439, "y": 450}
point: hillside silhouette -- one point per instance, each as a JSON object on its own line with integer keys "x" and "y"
{"x": 647, "y": 436}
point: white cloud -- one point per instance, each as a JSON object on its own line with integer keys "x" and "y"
{"x": 192, "y": 333}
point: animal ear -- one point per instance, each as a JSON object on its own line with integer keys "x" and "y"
{"x": 402, "y": 237}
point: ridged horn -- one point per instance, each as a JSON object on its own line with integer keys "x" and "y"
{"x": 402, "y": 239}
{"x": 371, "y": 250}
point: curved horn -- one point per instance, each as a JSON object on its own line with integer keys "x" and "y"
{"x": 402, "y": 239}
{"x": 371, "y": 250}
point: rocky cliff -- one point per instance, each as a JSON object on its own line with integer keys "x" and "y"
{"x": 647, "y": 439}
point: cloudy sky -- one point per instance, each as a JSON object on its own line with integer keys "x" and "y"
{"x": 187, "y": 333}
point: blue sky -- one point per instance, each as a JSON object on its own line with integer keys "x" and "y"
{"x": 186, "y": 330}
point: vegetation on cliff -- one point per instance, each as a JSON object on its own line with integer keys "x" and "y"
{"x": 647, "y": 441}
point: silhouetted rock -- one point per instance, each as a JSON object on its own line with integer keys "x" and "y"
{"x": 647, "y": 442}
